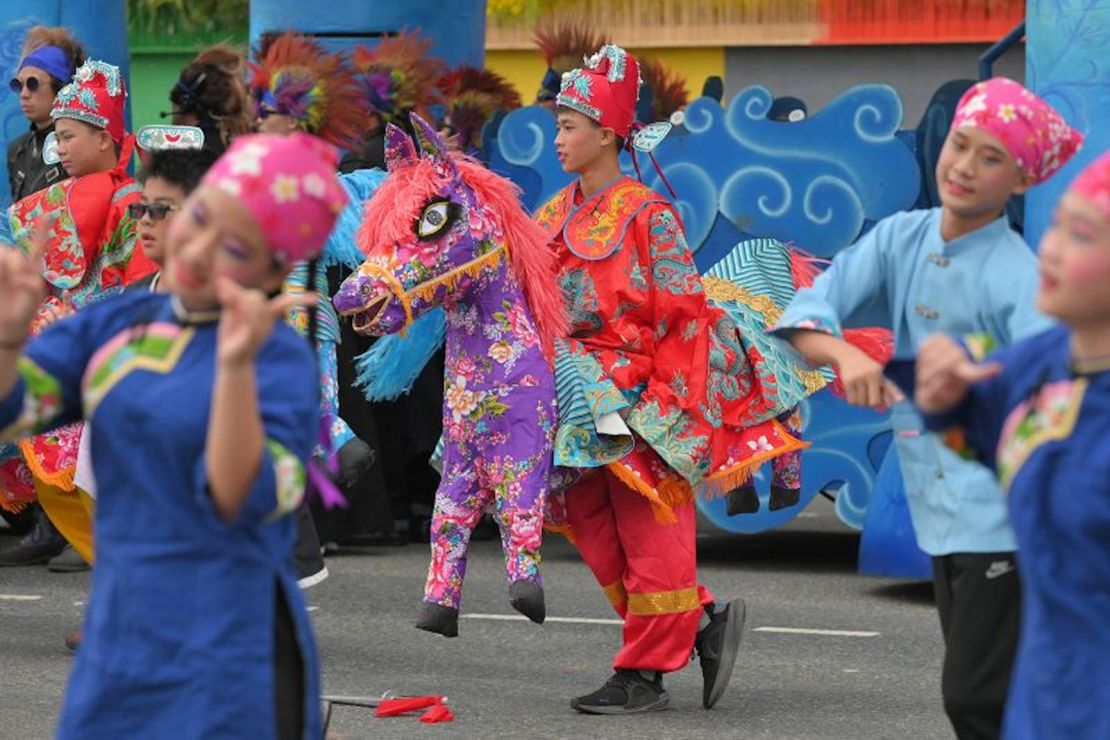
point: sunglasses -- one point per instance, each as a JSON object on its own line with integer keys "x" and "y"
{"x": 157, "y": 211}
{"x": 32, "y": 83}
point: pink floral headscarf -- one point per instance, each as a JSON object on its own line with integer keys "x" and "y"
{"x": 1034, "y": 134}
{"x": 289, "y": 185}
{"x": 1093, "y": 183}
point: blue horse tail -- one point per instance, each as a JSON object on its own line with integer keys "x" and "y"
{"x": 388, "y": 369}
{"x": 341, "y": 248}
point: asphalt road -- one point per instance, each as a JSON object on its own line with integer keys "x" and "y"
{"x": 827, "y": 653}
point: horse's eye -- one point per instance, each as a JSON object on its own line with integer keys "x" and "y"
{"x": 435, "y": 219}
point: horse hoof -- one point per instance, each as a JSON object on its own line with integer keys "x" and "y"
{"x": 443, "y": 620}
{"x": 527, "y": 598}
{"x": 782, "y": 498}
{"x": 742, "y": 500}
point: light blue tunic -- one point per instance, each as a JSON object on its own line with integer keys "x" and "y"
{"x": 902, "y": 275}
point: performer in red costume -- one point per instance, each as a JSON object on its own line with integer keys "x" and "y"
{"x": 91, "y": 252}
{"x": 660, "y": 395}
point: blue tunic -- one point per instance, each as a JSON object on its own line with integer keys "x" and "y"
{"x": 903, "y": 276}
{"x": 180, "y": 627}
{"x": 1046, "y": 430}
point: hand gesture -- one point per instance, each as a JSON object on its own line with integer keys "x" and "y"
{"x": 864, "y": 382}
{"x": 21, "y": 286}
{"x": 945, "y": 372}
{"x": 247, "y": 318}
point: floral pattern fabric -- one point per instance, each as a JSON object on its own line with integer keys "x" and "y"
{"x": 701, "y": 404}
{"x": 91, "y": 242}
{"x": 499, "y": 420}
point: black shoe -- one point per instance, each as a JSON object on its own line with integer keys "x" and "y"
{"x": 782, "y": 498}
{"x": 742, "y": 500}
{"x": 68, "y": 562}
{"x": 443, "y": 620}
{"x": 307, "y": 553}
{"x": 355, "y": 458}
{"x": 717, "y": 645}
{"x": 627, "y": 692}
{"x": 36, "y": 548}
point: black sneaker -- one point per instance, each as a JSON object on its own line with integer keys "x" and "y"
{"x": 717, "y": 645}
{"x": 43, "y": 543}
{"x": 627, "y": 692}
{"x": 68, "y": 562}
{"x": 309, "y": 558}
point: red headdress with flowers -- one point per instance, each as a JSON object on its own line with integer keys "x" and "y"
{"x": 97, "y": 95}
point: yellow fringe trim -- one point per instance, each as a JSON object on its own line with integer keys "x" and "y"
{"x": 564, "y": 529}
{"x": 426, "y": 291}
{"x": 14, "y": 507}
{"x": 723, "y": 481}
{"x": 62, "y": 479}
{"x": 473, "y": 268}
{"x": 663, "y": 512}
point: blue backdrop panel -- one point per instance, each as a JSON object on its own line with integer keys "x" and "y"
{"x": 457, "y": 27}
{"x": 818, "y": 183}
{"x": 1067, "y": 62}
{"x": 100, "y": 26}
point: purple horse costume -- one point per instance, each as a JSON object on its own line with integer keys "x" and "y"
{"x": 444, "y": 230}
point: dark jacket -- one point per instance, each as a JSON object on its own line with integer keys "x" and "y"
{"x": 27, "y": 173}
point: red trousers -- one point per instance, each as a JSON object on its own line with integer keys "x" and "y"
{"x": 647, "y": 570}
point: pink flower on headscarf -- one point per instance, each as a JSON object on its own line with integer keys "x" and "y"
{"x": 289, "y": 186}
{"x": 1034, "y": 134}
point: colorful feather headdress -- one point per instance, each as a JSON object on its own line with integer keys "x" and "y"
{"x": 668, "y": 88}
{"x": 563, "y": 47}
{"x": 296, "y": 77}
{"x": 398, "y": 76}
{"x": 473, "y": 96}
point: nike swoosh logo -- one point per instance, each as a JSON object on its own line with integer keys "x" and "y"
{"x": 999, "y": 569}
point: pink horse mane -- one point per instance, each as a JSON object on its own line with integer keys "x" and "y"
{"x": 398, "y": 202}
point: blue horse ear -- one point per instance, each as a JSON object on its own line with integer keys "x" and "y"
{"x": 399, "y": 149}
{"x": 427, "y": 137}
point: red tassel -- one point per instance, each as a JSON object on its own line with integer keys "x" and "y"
{"x": 438, "y": 713}
{"x": 405, "y": 705}
{"x": 876, "y": 343}
{"x": 804, "y": 267}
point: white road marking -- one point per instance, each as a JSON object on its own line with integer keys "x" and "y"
{"x": 851, "y": 670}
{"x": 19, "y": 597}
{"x": 826, "y": 633}
{"x": 591, "y": 620}
{"x": 311, "y": 608}
{"x": 519, "y": 618}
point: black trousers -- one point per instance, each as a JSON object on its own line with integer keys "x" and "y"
{"x": 979, "y": 599}
{"x": 288, "y": 674}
